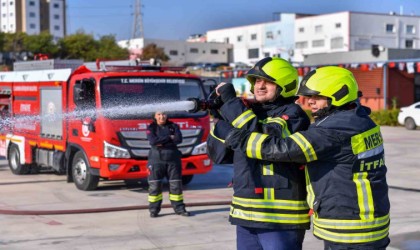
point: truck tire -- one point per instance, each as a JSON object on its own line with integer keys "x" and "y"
{"x": 14, "y": 161}
{"x": 82, "y": 177}
{"x": 410, "y": 124}
{"x": 186, "y": 179}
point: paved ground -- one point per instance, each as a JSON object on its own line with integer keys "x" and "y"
{"x": 207, "y": 228}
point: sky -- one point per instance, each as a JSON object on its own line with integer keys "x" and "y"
{"x": 177, "y": 19}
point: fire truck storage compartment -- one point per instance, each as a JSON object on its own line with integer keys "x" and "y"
{"x": 49, "y": 158}
{"x": 51, "y": 113}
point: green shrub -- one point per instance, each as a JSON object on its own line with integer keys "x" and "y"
{"x": 385, "y": 117}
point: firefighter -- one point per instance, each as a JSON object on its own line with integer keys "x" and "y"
{"x": 344, "y": 153}
{"x": 164, "y": 161}
{"x": 269, "y": 205}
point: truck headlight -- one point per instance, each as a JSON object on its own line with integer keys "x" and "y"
{"x": 200, "y": 149}
{"x": 112, "y": 151}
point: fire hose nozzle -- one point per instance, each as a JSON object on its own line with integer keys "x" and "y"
{"x": 202, "y": 105}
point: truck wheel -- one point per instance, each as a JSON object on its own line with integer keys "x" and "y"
{"x": 82, "y": 177}
{"x": 186, "y": 179}
{"x": 14, "y": 161}
{"x": 410, "y": 124}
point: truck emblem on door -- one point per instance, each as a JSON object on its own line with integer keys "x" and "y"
{"x": 85, "y": 127}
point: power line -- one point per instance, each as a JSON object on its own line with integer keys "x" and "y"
{"x": 99, "y": 7}
{"x": 96, "y": 16}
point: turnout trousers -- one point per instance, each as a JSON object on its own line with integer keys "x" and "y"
{"x": 269, "y": 239}
{"x": 172, "y": 171}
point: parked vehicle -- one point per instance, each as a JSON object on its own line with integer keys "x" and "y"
{"x": 83, "y": 123}
{"x": 410, "y": 116}
{"x": 240, "y": 65}
{"x": 217, "y": 66}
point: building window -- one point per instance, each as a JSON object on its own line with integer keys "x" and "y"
{"x": 204, "y": 52}
{"x": 337, "y": 43}
{"x": 279, "y": 32}
{"x": 410, "y": 29}
{"x": 226, "y": 39}
{"x": 269, "y": 35}
{"x": 338, "y": 25}
{"x": 266, "y": 54}
{"x": 318, "y": 28}
{"x": 214, "y": 51}
{"x": 173, "y": 52}
{"x": 56, "y": 5}
{"x": 4, "y": 14}
{"x": 253, "y": 36}
{"x": 31, "y": 3}
{"x": 239, "y": 38}
{"x": 32, "y": 26}
{"x": 301, "y": 45}
{"x": 253, "y": 53}
{"x": 194, "y": 50}
{"x": 301, "y": 30}
{"x": 56, "y": 17}
{"x": 32, "y": 14}
{"x": 318, "y": 43}
{"x": 56, "y": 27}
{"x": 409, "y": 44}
{"x": 390, "y": 28}
{"x": 3, "y": 4}
{"x": 11, "y": 3}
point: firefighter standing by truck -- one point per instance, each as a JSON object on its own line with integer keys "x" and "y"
{"x": 269, "y": 203}
{"x": 344, "y": 153}
{"x": 164, "y": 161}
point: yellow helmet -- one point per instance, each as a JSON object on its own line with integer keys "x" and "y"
{"x": 276, "y": 70}
{"x": 333, "y": 82}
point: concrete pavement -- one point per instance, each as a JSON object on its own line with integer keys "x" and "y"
{"x": 207, "y": 228}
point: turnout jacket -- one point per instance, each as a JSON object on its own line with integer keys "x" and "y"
{"x": 346, "y": 169}
{"x": 266, "y": 195}
{"x": 163, "y": 147}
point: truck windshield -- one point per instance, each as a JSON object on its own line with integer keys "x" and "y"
{"x": 137, "y": 97}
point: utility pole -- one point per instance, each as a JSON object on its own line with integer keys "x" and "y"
{"x": 137, "y": 21}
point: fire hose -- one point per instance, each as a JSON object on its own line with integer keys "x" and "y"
{"x": 105, "y": 209}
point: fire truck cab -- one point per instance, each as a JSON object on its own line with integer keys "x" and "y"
{"x": 91, "y": 124}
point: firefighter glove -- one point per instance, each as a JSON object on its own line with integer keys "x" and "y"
{"x": 227, "y": 92}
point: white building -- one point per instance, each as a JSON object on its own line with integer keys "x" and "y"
{"x": 182, "y": 52}
{"x": 349, "y": 31}
{"x": 254, "y": 42}
{"x": 33, "y": 16}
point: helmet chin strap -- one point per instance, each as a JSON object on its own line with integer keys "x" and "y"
{"x": 321, "y": 113}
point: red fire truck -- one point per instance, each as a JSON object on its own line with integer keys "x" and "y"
{"x": 83, "y": 122}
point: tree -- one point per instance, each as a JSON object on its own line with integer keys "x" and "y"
{"x": 78, "y": 46}
{"x": 13, "y": 42}
{"x": 42, "y": 43}
{"x": 2, "y": 40}
{"x": 109, "y": 49}
{"x": 84, "y": 46}
{"x": 153, "y": 51}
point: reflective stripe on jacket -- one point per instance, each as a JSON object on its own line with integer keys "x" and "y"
{"x": 266, "y": 195}
{"x": 346, "y": 168}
